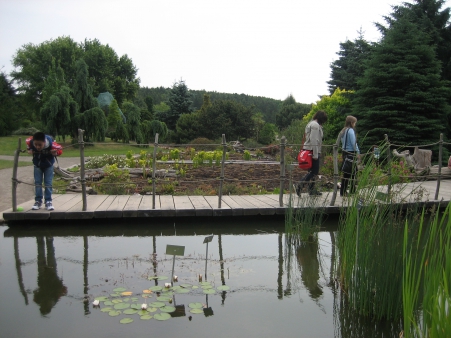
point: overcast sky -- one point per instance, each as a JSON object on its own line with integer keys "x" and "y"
{"x": 270, "y": 48}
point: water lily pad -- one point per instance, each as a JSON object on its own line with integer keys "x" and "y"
{"x": 162, "y": 277}
{"x": 209, "y": 291}
{"x": 114, "y": 313}
{"x": 162, "y": 316}
{"x": 108, "y": 303}
{"x": 102, "y": 298}
{"x": 130, "y": 311}
{"x": 146, "y": 317}
{"x": 195, "y": 305}
{"x": 126, "y": 320}
{"x": 126, "y": 293}
{"x": 152, "y": 277}
{"x": 186, "y": 285}
{"x": 119, "y": 289}
{"x": 164, "y": 298}
{"x": 181, "y": 290}
{"x": 223, "y": 288}
{"x": 107, "y": 309}
{"x": 116, "y": 301}
{"x": 156, "y": 288}
{"x": 196, "y": 311}
{"x": 125, "y": 299}
{"x": 142, "y": 312}
{"x": 167, "y": 308}
{"x": 135, "y": 306}
{"x": 195, "y": 287}
{"x": 147, "y": 291}
{"x": 151, "y": 309}
{"x": 157, "y": 304}
{"x": 115, "y": 294}
{"x": 205, "y": 287}
{"x": 121, "y": 306}
{"x": 134, "y": 299}
{"x": 204, "y": 283}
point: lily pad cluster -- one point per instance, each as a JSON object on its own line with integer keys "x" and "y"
{"x": 155, "y": 302}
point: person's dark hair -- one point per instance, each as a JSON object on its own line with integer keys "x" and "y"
{"x": 39, "y": 136}
{"x": 320, "y": 117}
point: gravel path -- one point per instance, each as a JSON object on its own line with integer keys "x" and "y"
{"x": 25, "y": 192}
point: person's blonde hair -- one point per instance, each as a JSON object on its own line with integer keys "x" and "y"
{"x": 350, "y": 120}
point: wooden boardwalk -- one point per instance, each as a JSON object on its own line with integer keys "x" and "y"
{"x": 69, "y": 206}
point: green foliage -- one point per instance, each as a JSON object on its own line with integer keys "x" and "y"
{"x": 189, "y": 127}
{"x": 8, "y": 106}
{"x": 133, "y": 126}
{"x": 150, "y": 128}
{"x": 294, "y": 132}
{"x": 350, "y": 66}
{"x": 174, "y": 154}
{"x": 401, "y": 93}
{"x": 268, "y": 133}
{"x": 94, "y": 123}
{"x": 116, "y": 181}
{"x": 179, "y": 103}
{"x": 337, "y": 106}
{"x": 82, "y": 90}
{"x": 290, "y": 111}
{"x": 229, "y": 118}
{"x": 247, "y": 155}
{"x": 113, "y": 118}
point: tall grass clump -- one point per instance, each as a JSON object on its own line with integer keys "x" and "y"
{"x": 426, "y": 278}
{"x": 370, "y": 245}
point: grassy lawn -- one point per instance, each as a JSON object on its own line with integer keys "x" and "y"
{"x": 8, "y": 145}
{"x": 5, "y": 164}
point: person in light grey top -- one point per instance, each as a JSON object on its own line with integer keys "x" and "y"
{"x": 313, "y": 142}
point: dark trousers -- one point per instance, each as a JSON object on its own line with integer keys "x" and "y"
{"x": 311, "y": 176}
{"x": 348, "y": 177}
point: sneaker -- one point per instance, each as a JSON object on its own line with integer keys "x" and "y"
{"x": 49, "y": 206}
{"x": 36, "y": 206}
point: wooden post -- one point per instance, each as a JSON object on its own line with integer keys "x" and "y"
{"x": 440, "y": 155}
{"x": 221, "y": 178}
{"x": 335, "y": 159}
{"x": 154, "y": 166}
{"x": 282, "y": 169}
{"x": 388, "y": 164}
{"x": 82, "y": 167}
{"x": 14, "y": 178}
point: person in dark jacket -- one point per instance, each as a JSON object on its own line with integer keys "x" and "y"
{"x": 44, "y": 151}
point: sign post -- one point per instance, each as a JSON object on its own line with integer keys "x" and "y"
{"x": 175, "y": 250}
{"x": 207, "y": 240}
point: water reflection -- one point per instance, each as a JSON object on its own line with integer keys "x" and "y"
{"x": 252, "y": 258}
{"x": 50, "y": 286}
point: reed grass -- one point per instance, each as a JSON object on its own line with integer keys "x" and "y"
{"x": 426, "y": 279}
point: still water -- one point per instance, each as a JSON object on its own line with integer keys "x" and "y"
{"x": 277, "y": 289}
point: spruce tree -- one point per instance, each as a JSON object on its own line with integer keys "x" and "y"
{"x": 180, "y": 103}
{"x": 401, "y": 93}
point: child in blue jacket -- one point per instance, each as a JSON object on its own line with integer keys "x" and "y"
{"x": 44, "y": 151}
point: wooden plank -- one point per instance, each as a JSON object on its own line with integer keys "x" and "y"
{"x": 202, "y": 207}
{"x": 237, "y": 209}
{"x": 100, "y": 212}
{"x": 131, "y": 208}
{"x": 167, "y": 206}
{"x": 92, "y": 203}
{"x": 116, "y": 207}
{"x": 62, "y": 205}
{"x": 225, "y": 209}
{"x": 272, "y": 203}
{"x": 264, "y": 208}
{"x": 183, "y": 206}
{"x": 145, "y": 208}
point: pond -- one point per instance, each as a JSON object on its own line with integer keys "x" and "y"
{"x": 254, "y": 283}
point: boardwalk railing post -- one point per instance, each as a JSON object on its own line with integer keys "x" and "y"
{"x": 154, "y": 166}
{"x": 221, "y": 178}
{"x": 283, "y": 141}
{"x": 440, "y": 155}
{"x": 82, "y": 167}
{"x": 14, "y": 178}
{"x": 335, "y": 158}
{"x": 388, "y": 164}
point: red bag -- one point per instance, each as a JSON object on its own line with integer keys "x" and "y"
{"x": 305, "y": 159}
